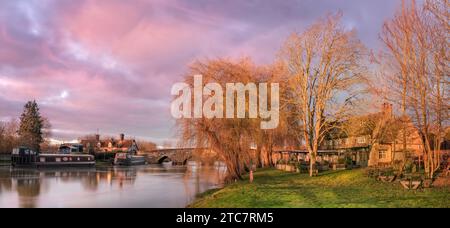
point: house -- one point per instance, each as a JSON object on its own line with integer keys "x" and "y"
{"x": 111, "y": 145}
{"x": 375, "y": 139}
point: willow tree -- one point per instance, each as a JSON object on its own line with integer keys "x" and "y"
{"x": 417, "y": 47}
{"x": 324, "y": 66}
{"x": 231, "y": 138}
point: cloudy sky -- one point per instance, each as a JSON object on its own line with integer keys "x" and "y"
{"x": 110, "y": 64}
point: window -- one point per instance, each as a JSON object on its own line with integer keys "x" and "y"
{"x": 382, "y": 154}
{"x": 361, "y": 140}
{"x": 345, "y": 141}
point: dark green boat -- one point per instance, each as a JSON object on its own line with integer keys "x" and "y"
{"x": 127, "y": 159}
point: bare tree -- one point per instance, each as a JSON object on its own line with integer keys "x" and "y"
{"x": 439, "y": 8}
{"x": 325, "y": 65}
{"x": 8, "y": 136}
{"x": 287, "y": 134}
{"x": 146, "y": 146}
{"x": 46, "y": 135}
{"x": 397, "y": 36}
{"x": 2, "y": 137}
{"x": 167, "y": 144}
{"x": 417, "y": 47}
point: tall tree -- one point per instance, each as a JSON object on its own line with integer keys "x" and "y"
{"x": 31, "y": 126}
{"x": 230, "y": 138}
{"x": 2, "y": 137}
{"x": 397, "y": 34}
{"x": 417, "y": 45}
{"x": 325, "y": 64}
{"x": 288, "y": 135}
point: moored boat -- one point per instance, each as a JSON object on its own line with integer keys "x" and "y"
{"x": 23, "y": 156}
{"x": 127, "y": 159}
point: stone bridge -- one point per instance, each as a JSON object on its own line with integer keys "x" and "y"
{"x": 178, "y": 156}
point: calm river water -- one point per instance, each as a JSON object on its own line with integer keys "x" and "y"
{"x": 150, "y": 186}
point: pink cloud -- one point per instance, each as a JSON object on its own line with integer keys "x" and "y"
{"x": 110, "y": 64}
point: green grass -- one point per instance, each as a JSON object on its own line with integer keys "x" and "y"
{"x": 351, "y": 188}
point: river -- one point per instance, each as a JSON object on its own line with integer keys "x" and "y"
{"x": 153, "y": 186}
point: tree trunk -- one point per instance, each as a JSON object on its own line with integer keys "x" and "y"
{"x": 259, "y": 163}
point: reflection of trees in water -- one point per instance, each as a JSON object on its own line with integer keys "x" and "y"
{"x": 205, "y": 177}
{"x": 5, "y": 184}
{"x": 28, "y": 186}
{"x": 163, "y": 168}
{"x": 5, "y": 181}
{"x": 122, "y": 176}
{"x": 91, "y": 179}
{"x": 30, "y": 181}
{"x": 90, "y": 183}
{"x": 31, "y": 184}
{"x": 28, "y": 190}
{"x": 112, "y": 176}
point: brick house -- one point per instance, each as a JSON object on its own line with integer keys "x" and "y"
{"x": 375, "y": 139}
{"x": 110, "y": 145}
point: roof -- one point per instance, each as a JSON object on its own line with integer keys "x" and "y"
{"x": 105, "y": 143}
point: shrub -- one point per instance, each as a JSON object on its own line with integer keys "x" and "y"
{"x": 372, "y": 172}
{"x": 387, "y": 172}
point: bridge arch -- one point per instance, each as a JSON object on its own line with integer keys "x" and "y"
{"x": 179, "y": 156}
{"x": 163, "y": 159}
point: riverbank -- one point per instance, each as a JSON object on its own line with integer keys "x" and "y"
{"x": 350, "y": 188}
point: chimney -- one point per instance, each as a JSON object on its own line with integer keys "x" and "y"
{"x": 387, "y": 110}
{"x": 97, "y": 137}
{"x": 122, "y": 137}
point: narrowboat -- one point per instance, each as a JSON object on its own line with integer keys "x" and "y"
{"x": 128, "y": 159}
{"x": 24, "y": 157}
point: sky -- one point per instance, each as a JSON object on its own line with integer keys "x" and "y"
{"x": 108, "y": 66}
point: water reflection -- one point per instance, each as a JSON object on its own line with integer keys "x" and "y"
{"x": 146, "y": 186}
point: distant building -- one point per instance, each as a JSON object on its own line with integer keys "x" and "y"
{"x": 96, "y": 145}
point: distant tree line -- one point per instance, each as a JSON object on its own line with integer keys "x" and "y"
{"x": 8, "y": 136}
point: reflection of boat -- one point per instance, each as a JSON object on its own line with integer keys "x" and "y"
{"x": 23, "y": 156}
{"x": 129, "y": 159}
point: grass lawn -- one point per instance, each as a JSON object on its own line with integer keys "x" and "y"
{"x": 350, "y": 188}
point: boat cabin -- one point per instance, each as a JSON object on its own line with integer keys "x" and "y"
{"x": 70, "y": 148}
